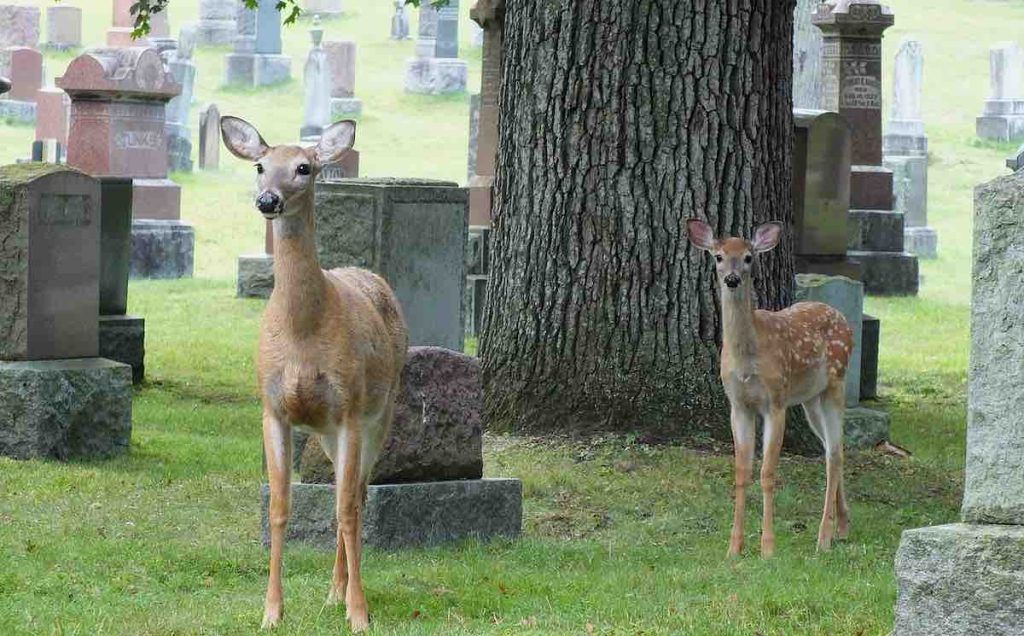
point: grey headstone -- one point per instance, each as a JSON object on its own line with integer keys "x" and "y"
{"x": 871, "y": 334}
{"x": 426, "y": 34}
{"x": 398, "y": 516}
{"x": 1003, "y": 116}
{"x": 183, "y": 69}
{"x": 908, "y": 80}
{"x": 847, "y": 296}
{"x": 413, "y": 233}
{"x": 63, "y": 27}
{"x": 123, "y": 339}
{"x": 807, "y": 44}
{"x": 448, "y": 30}
{"x": 268, "y": 29}
{"x": 400, "y": 22}
{"x": 217, "y": 22}
{"x": 255, "y": 276}
{"x": 209, "y": 138}
{"x": 115, "y": 244}
{"x": 162, "y": 249}
{"x": 49, "y": 262}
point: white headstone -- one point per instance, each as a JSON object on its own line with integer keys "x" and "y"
{"x": 317, "y": 81}
{"x": 1006, "y": 63}
{"x": 908, "y": 76}
{"x": 807, "y": 44}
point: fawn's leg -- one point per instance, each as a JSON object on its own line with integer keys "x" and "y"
{"x": 833, "y": 405}
{"x": 743, "y": 445}
{"x": 350, "y": 501}
{"x": 774, "y": 427}
{"x": 339, "y": 578}
{"x": 277, "y": 445}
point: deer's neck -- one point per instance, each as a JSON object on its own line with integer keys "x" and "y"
{"x": 300, "y": 289}
{"x": 738, "y": 336}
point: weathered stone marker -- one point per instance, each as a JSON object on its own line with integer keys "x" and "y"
{"x": 323, "y": 8}
{"x": 400, "y": 22}
{"x": 317, "y": 82}
{"x": 905, "y": 146}
{"x": 341, "y": 59}
{"x": 852, "y": 86}
{"x": 257, "y": 59}
{"x": 1003, "y": 116}
{"x": 806, "y": 57}
{"x": 965, "y": 578}
{"x": 183, "y": 70}
{"x": 209, "y": 138}
{"x": 436, "y": 69}
{"x": 23, "y": 66}
{"x": 57, "y": 397}
{"x": 63, "y": 27}
{"x": 427, "y": 488}
{"x": 217, "y": 23}
{"x": 20, "y": 26}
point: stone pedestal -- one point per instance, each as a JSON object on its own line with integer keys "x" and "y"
{"x": 255, "y": 275}
{"x": 64, "y": 409}
{"x": 436, "y": 76}
{"x": 162, "y": 249}
{"x": 123, "y": 339}
{"x": 413, "y": 232}
{"x": 966, "y": 579}
{"x": 346, "y": 107}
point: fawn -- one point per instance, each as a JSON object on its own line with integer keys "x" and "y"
{"x": 771, "y": 361}
{"x": 331, "y": 351}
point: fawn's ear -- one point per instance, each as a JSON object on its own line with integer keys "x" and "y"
{"x": 701, "y": 234}
{"x": 766, "y": 236}
{"x": 335, "y": 141}
{"x": 242, "y": 139}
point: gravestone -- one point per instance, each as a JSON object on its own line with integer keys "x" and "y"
{"x": 183, "y": 69}
{"x": 323, "y": 8}
{"x": 426, "y": 487}
{"x": 257, "y": 59}
{"x": 852, "y": 86}
{"x": 160, "y": 32}
{"x": 490, "y": 14}
{"x": 317, "y": 82}
{"x": 821, "y": 193}
{"x": 870, "y": 340}
{"x": 400, "y": 22}
{"x": 474, "y": 137}
{"x": 20, "y": 26}
{"x": 63, "y": 27}
{"x": 807, "y": 43}
{"x": 118, "y": 116}
{"x": 58, "y": 399}
{"x": 413, "y": 233}
{"x": 53, "y": 110}
{"x": 965, "y": 578}
{"x": 23, "y": 67}
{"x": 1003, "y": 116}
{"x": 122, "y": 337}
{"x": 341, "y": 60}
{"x": 123, "y": 25}
{"x": 436, "y": 69}
{"x": 209, "y": 138}
{"x": 905, "y": 148}
{"x": 217, "y": 22}
{"x": 863, "y": 427}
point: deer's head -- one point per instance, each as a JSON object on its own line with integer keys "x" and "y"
{"x": 285, "y": 173}
{"x": 734, "y": 257}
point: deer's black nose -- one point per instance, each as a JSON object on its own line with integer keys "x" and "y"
{"x": 732, "y": 281}
{"x": 268, "y": 203}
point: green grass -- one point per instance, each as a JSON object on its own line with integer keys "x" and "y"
{"x": 619, "y": 536}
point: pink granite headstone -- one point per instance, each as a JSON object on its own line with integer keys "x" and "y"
{"x": 118, "y": 102}
{"x": 25, "y": 66}
{"x": 19, "y": 26}
{"x": 53, "y": 109}
{"x": 120, "y": 34}
{"x": 341, "y": 59}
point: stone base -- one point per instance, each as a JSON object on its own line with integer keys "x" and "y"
{"x": 123, "y": 339}
{"x": 436, "y": 76}
{"x": 960, "y": 580}
{"x": 910, "y": 187}
{"x": 875, "y": 231}
{"x": 17, "y": 112}
{"x": 922, "y": 242}
{"x": 162, "y": 249}
{"x": 888, "y": 273}
{"x": 238, "y": 69}
{"x": 255, "y": 275}
{"x": 342, "y": 107}
{"x": 905, "y": 144}
{"x": 864, "y": 427}
{"x": 65, "y": 409}
{"x": 1000, "y": 127}
{"x": 256, "y": 69}
{"x": 870, "y": 188}
{"x": 408, "y": 515}
{"x": 156, "y": 199}
{"x": 216, "y": 32}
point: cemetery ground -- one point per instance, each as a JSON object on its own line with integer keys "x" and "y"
{"x": 620, "y": 535}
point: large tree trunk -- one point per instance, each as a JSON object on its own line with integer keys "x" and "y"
{"x": 620, "y": 119}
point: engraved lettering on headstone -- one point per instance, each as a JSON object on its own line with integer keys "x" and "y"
{"x": 138, "y": 140}
{"x": 63, "y": 209}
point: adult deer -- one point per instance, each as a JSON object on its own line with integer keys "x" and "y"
{"x": 771, "y": 361}
{"x": 332, "y": 346}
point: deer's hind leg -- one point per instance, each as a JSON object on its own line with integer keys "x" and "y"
{"x": 331, "y": 443}
{"x": 835, "y": 515}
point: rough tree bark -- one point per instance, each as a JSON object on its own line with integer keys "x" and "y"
{"x": 620, "y": 119}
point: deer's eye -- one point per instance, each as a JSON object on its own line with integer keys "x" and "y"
{"x": 748, "y": 259}
{"x": 718, "y": 257}
{"x": 303, "y": 169}
{"x": 259, "y": 168}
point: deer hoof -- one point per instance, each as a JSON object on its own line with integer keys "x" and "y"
{"x": 271, "y": 617}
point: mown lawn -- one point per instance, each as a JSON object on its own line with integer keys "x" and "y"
{"x": 619, "y": 537}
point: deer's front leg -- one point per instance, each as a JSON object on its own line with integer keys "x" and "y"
{"x": 743, "y": 446}
{"x": 774, "y": 427}
{"x": 331, "y": 442}
{"x": 349, "y": 488}
{"x": 277, "y": 445}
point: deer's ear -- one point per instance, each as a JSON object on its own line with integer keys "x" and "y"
{"x": 242, "y": 139}
{"x": 335, "y": 141}
{"x": 766, "y": 237}
{"x": 701, "y": 234}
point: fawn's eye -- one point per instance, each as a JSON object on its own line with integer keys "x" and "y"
{"x": 259, "y": 168}
{"x": 718, "y": 257}
{"x": 303, "y": 169}
{"x": 748, "y": 259}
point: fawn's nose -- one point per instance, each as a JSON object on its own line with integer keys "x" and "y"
{"x": 732, "y": 281}
{"x": 268, "y": 203}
